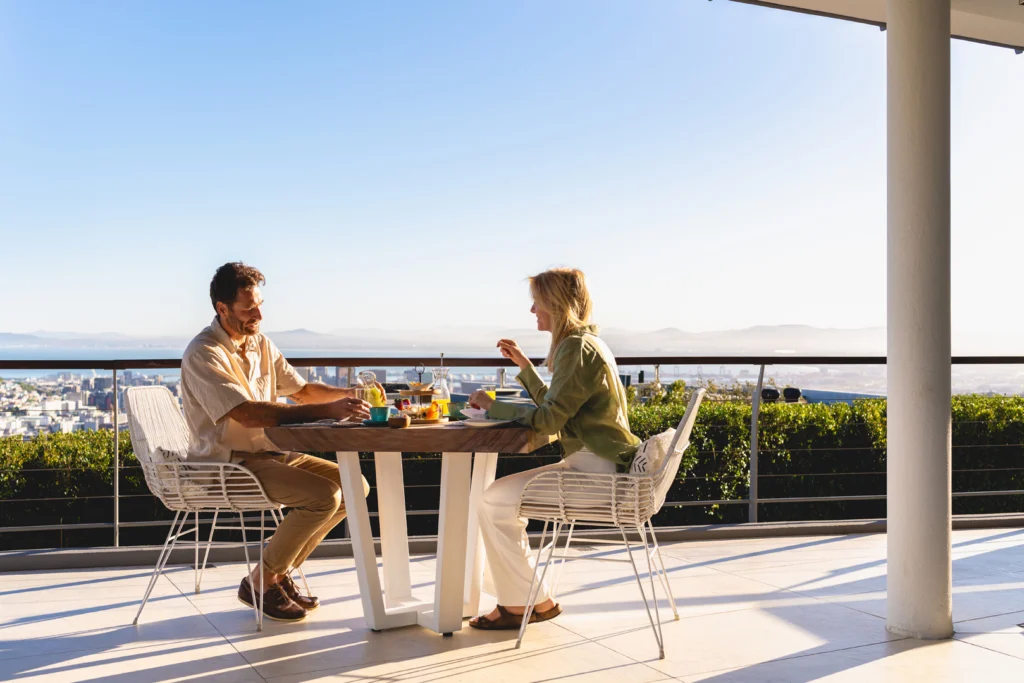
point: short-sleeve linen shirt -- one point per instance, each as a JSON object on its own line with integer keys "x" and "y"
{"x": 218, "y": 375}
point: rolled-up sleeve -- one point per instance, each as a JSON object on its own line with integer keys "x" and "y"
{"x": 533, "y": 384}
{"x": 287, "y": 379}
{"x": 208, "y": 376}
{"x": 571, "y": 387}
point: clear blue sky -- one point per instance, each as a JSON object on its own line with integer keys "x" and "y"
{"x": 682, "y": 152}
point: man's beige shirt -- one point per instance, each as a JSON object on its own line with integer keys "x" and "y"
{"x": 218, "y": 375}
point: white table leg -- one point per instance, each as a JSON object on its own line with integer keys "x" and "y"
{"x": 363, "y": 550}
{"x": 394, "y": 533}
{"x": 485, "y": 466}
{"x": 449, "y": 586}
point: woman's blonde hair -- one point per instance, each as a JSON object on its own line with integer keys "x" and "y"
{"x": 563, "y": 293}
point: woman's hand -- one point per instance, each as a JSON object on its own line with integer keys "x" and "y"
{"x": 510, "y": 349}
{"x": 480, "y": 399}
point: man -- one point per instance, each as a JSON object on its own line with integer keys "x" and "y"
{"x": 231, "y": 378}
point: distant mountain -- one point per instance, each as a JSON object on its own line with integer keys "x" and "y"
{"x": 12, "y": 339}
{"x": 75, "y": 340}
{"x": 782, "y": 339}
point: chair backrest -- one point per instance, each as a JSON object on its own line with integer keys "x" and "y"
{"x": 159, "y": 438}
{"x": 155, "y": 424}
{"x": 666, "y": 474}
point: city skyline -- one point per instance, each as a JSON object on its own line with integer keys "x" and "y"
{"x": 711, "y": 166}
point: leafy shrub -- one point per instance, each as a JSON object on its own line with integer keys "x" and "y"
{"x": 805, "y": 450}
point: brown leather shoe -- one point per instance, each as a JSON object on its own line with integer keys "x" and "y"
{"x": 306, "y": 602}
{"x": 276, "y": 603}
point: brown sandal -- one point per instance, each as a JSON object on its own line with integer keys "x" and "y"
{"x": 507, "y": 621}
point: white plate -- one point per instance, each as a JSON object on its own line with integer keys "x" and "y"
{"x": 475, "y": 413}
{"x": 484, "y": 422}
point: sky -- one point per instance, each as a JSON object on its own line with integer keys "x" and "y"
{"x": 407, "y": 165}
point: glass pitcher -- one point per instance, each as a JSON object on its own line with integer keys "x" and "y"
{"x": 442, "y": 393}
{"x": 367, "y": 390}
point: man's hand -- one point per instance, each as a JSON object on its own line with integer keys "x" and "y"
{"x": 346, "y": 408}
{"x": 480, "y": 399}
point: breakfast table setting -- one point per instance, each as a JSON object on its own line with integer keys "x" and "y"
{"x": 422, "y": 420}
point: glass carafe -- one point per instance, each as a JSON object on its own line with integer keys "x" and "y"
{"x": 442, "y": 393}
{"x": 367, "y": 390}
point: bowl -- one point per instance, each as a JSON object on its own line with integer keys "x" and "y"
{"x": 398, "y": 421}
{"x": 380, "y": 414}
{"x": 455, "y": 410}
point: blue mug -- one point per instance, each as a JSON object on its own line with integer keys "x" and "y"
{"x": 380, "y": 414}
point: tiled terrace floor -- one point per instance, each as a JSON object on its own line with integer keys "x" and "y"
{"x": 781, "y": 609}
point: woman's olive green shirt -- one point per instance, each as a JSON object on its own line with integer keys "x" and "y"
{"x": 585, "y": 404}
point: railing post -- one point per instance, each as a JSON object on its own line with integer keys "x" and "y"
{"x": 755, "y": 410}
{"x": 117, "y": 470}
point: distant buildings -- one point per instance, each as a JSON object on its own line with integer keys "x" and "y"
{"x": 66, "y": 402}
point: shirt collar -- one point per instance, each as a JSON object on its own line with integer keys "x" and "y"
{"x": 249, "y": 344}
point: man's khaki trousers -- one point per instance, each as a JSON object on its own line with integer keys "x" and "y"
{"x": 311, "y": 487}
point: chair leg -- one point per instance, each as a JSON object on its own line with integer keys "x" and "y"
{"x": 561, "y": 563}
{"x": 656, "y": 629}
{"x": 651, "y": 570}
{"x": 535, "y": 593}
{"x": 533, "y": 581}
{"x": 663, "y": 573}
{"x": 206, "y": 555}
{"x": 257, "y": 603}
{"x": 161, "y": 560}
{"x": 195, "y": 562}
{"x": 262, "y": 592}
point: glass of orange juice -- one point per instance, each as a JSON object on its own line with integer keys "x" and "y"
{"x": 490, "y": 390}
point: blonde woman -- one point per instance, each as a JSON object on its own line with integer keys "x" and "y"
{"x": 585, "y": 405}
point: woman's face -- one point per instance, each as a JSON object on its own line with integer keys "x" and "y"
{"x": 543, "y": 317}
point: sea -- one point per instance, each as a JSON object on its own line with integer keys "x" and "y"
{"x": 157, "y": 353}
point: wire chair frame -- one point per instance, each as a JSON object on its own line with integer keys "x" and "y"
{"x": 627, "y": 502}
{"x": 160, "y": 442}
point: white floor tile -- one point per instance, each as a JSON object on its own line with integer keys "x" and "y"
{"x": 211, "y": 660}
{"x": 904, "y": 661}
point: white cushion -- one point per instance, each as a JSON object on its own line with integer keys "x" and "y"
{"x": 652, "y": 453}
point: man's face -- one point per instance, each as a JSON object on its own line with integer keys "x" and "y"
{"x": 243, "y": 317}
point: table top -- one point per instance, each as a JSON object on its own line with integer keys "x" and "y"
{"x": 450, "y": 437}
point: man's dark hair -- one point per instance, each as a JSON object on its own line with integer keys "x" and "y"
{"x": 231, "y": 277}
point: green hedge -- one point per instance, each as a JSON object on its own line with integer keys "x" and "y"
{"x": 805, "y": 450}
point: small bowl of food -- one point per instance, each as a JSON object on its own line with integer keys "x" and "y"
{"x": 399, "y": 421}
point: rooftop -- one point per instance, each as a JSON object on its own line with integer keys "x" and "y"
{"x": 780, "y": 609}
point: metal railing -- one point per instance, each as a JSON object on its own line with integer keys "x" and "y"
{"x": 348, "y": 365}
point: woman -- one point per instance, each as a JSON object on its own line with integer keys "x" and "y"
{"x": 585, "y": 405}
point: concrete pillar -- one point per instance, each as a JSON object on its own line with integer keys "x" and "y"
{"x": 919, "y": 479}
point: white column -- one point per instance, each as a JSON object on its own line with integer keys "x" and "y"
{"x": 919, "y": 505}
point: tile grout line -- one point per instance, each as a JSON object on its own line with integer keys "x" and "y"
{"x": 614, "y": 651}
{"x": 219, "y": 632}
{"x": 990, "y": 616}
{"x": 801, "y": 656}
{"x": 978, "y": 645}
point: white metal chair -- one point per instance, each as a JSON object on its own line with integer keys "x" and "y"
{"x": 624, "y": 501}
{"x": 160, "y": 442}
